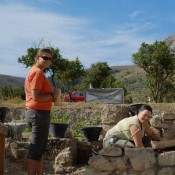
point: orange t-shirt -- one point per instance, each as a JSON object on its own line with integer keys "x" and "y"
{"x": 37, "y": 80}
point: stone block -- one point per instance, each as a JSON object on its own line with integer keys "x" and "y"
{"x": 16, "y": 129}
{"x": 111, "y": 151}
{"x": 156, "y": 121}
{"x": 163, "y": 144}
{"x": 150, "y": 172}
{"x": 18, "y": 150}
{"x": 166, "y": 125}
{"x": 55, "y": 146}
{"x": 100, "y": 163}
{"x": 167, "y": 171}
{"x": 91, "y": 171}
{"x": 168, "y": 116}
{"x": 65, "y": 158}
{"x": 119, "y": 163}
{"x": 112, "y": 114}
{"x": 167, "y": 158}
{"x": 168, "y": 134}
{"x": 141, "y": 158}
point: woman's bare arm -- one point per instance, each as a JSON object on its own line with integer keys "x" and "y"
{"x": 39, "y": 97}
{"x": 151, "y": 134}
{"x": 137, "y": 136}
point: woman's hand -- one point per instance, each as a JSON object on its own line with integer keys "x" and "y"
{"x": 151, "y": 134}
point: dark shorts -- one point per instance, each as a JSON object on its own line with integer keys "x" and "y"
{"x": 39, "y": 121}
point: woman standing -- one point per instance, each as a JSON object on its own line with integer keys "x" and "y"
{"x": 39, "y": 98}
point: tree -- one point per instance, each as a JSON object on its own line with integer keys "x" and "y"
{"x": 97, "y": 74}
{"x": 158, "y": 61}
{"x": 72, "y": 75}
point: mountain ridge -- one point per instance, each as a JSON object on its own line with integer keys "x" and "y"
{"x": 9, "y": 80}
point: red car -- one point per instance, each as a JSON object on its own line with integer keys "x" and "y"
{"x": 75, "y": 97}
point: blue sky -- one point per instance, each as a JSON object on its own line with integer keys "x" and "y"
{"x": 93, "y": 30}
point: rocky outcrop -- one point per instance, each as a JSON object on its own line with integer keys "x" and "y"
{"x": 171, "y": 41}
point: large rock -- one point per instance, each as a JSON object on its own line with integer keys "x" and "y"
{"x": 163, "y": 144}
{"x": 64, "y": 161}
{"x": 55, "y": 146}
{"x": 101, "y": 163}
{"x": 137, "y": 158}
{"x": 170, "y": 41}
{"x": 111, "y": 151}
{"x": 167, "y": 158}
{"x": 156, "y": 121}
{"x": 168, "y": 116}
{"x": 167, "y": 171}
{"x": 112, "y": 114}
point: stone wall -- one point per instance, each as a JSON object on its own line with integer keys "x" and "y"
{"x": 131, "y": 161}
{"x": 64, "y": 156}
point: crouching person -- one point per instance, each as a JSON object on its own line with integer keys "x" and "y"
{"x": 130, "y": 131}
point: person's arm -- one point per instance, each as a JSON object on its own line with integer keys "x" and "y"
{"x": 39, "y": 97}
{"x": 151, "y": 134}
{"x": 137, "y": 136}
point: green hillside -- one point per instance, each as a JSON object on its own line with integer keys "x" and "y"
{"x": 7, "y": 80}
{"x": 134, "y": 81}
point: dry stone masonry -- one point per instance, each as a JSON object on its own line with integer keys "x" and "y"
{"x": 68, "y": 156}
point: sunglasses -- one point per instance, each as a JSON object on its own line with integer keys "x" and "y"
{"x": 46, "y": 58}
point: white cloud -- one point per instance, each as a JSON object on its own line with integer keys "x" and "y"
{"x": 21, "y": 25}
{"x": 135, "y": 14}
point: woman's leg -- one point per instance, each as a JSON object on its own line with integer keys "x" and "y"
{"x": 31, "y": 166}
{"x": 40, "y": 166}
{"x": 39, "y": 121}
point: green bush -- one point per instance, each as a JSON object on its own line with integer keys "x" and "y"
{"x": 8, "y": 92}
{"x": 55, "y": 118}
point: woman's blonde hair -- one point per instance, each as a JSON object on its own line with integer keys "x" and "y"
{"x": 42, "y": 50}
